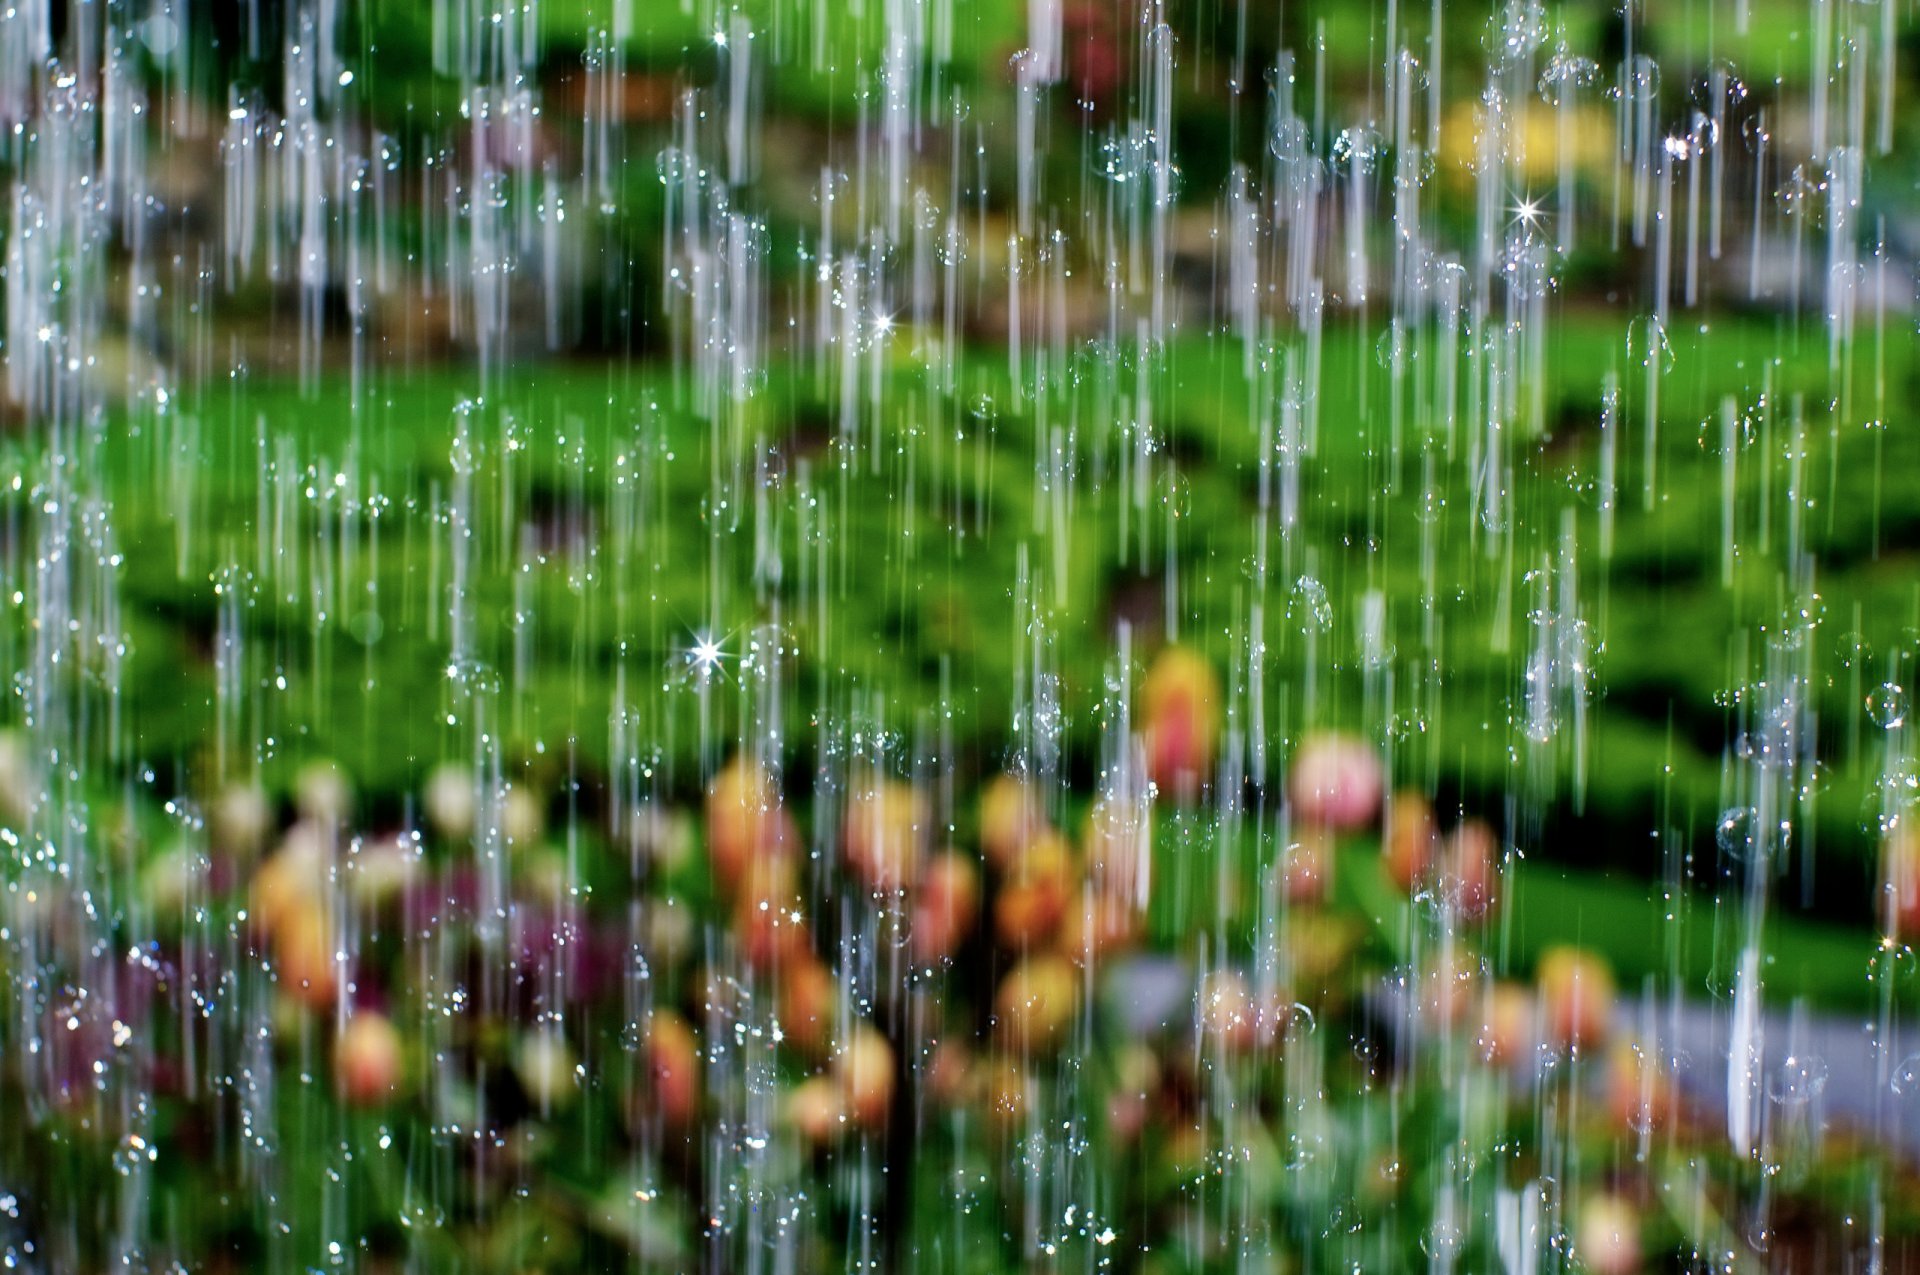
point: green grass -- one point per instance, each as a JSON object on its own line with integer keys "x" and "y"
{"x": 900, "y": 557}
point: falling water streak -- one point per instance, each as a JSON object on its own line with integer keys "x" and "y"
{"x": 1297, "y": 239}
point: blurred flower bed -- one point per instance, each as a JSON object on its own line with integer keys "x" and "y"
{"x": 882, "y": 1019}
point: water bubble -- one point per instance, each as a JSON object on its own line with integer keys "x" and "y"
{"x": 1799, "y": 195}
{"x": 1892, "y": 963}
{"x": 829, "y": 187}
{"x": 1798, "y": 1079}
{"x": 1737, "y": 833}
{"x": 1176, "y": 494}
{"x": 1407, "y": 724}
{"x": 1887, "y": 705}
{"x": 1517, "y": 30}
{"x": 1493, "y": 512}
{"x": 133, "y": 1153}
{"x": 1721, "y": 82}
{"x": 1393, "y": 348}
{"x": 1807, "y": 610}
{"x": 422, "y": 1215}
{"x": 1126, "y": 159}
{"x": 1413, "y": 70}
{"x": 673, "y": 166}
{"x": 1289, "y": 141}
{"x": 1566, "y": 75}
{"x": 1647, "y": 342}
{"x": 1308, "y": 607}
{"x": 1442, "y": 1240}
{"x": 1643, "y": 1114}
{"x": 1645, "y": 79}
{"x": 1816, "y": 778}
{"x": 1358, "y": 145}
{"x": 1890, "y": 803}
{"x": 474, "y": 677}
{"x": 1906, "y": 1076}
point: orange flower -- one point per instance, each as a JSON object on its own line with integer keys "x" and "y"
{"x": 745, "y": 822}
{"x": 367, "y": 1060}
{"x": 1576, "y": 997}
{"x": 1180, "y": 716}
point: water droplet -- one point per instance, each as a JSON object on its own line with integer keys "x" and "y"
{"x": 422, "y": 1215}
{"x": 1647, "y": 342}
{"x": 1176, "y": 494}
{"x": 1737, "y": 831}
{"x": 1355, "y": 146}
{"x": 1517, "y": 30}
{"x": 1798, "y": 1079}
{"x": 133, "y": 1153}
{"x": 1565, "y": 76}
{"x": 1887, "y": 705}
{"x": 672, "y": 165}
{"x": 1906, "y": 1076}
{"x": 475, "y": 677}
{"x": 1392, "y": 348}
{"x": 1289, "y": 142}
{"x": 1308, "y": 607}
{"x": 1891, "y": 964}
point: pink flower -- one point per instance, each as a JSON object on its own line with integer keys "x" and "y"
{"x": 1336, "y": 781}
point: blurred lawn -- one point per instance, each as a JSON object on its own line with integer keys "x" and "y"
{"x": 596, "y": 528}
